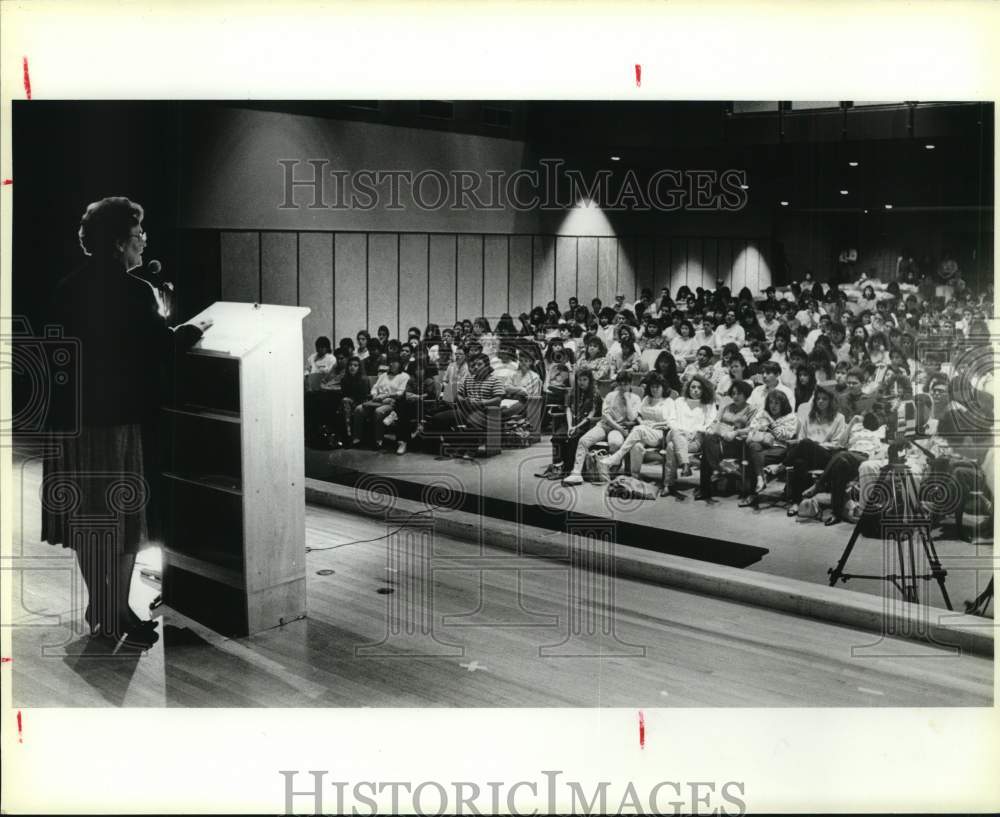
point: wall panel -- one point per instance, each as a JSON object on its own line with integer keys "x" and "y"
{"x": 587, "y": 271}
{"x": 543, "y": 284}
{"x": 607, "y": 270}
{"x": 441, "y": 280}
{"x": 663, "y": 260}
{"x": 628, "y": 281}
{"x": 520, "y": 274}
{"x": 470, "y": 276}
{"x": 565, "y": 270}
{"x": 350, "y": 309}
{"x": 278, "y": 274}
{"x": 239, "y": 267}
{"x": 383, "y": 282}
{"x": 413, "y": 251}
{"x": 316, "y": 286}
{"x": 495, "y": 279}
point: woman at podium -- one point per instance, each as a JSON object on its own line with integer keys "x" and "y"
{"x": 95, "y": 495}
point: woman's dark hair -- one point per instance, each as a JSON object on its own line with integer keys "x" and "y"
{"x": 689, "y": 325}
{"x": 878, "y": 337}
{"x": 596, "y": 341}
{"x": 742, "y": 387}
{"x": 432, "y": 332}
{"x": 745, "y": 295}
{"x": 831, "y": 408}
{"x": 821, "y": 362}
{"x": 666, "y": 367}
{"x": 627, "y": 346}
{"x": 482, "y": 322}
{"x": 347, "y": 344}
{"x": 607, "y": 312}
{"x": 864, "y": 292}
{"x": 564, "y": 355}
{"x": 583, "y": 371}
{"x": 537, "y": 316}
{"x": 505, "y": 326}
{"x": 707, "y": 389}
{"x": 817, "y": 291}
{"x": 623, "y": 377}
{"x": 684, "y": 292}
{"x": 106, "y": 222}
{"x": 804, "y": 393}
{"x": 784, "y": 407}
{"x": 652, "y": 379}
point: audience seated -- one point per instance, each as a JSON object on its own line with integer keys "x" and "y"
{"x": 807, "y": 379}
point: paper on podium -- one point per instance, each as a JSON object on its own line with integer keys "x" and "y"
{"x": 238, "y": 327}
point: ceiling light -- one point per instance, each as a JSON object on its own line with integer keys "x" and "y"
{"x": 929, "y": 147}
{"x": 844, "y": 192}
{"x": 616, "y": 158}
{"x": 853, "y": 164}
{"x": 866, "y": 212}
{"x": 888, "y": 207}
{"x": 744, "y": 187}
{"x": 784, "y": 204}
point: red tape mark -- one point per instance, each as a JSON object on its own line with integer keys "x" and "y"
{"x": 19, "y": 730}
{"x": 638, "y": 76}
{"x": 642, "y": 730}
{"x": 27, "y": 78}
{"x": 5, "y": 660}
{"x": 8, "y": 181}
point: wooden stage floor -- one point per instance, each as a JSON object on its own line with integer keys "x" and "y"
{"x": 670, "y": 648}
{"x": 764, "y": 540}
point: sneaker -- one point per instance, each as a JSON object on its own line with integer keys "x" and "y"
{"x": 573, "y": 479}
{"x": 401, "y": 448}
{"x": 390, "y": 418}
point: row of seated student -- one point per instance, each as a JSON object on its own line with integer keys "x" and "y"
{"x": 856, "y": 347}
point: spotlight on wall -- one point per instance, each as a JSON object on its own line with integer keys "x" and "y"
{"x": 852, "y": 164}
{"x": 616, "y": 158}
{"x": 888, "y": 207}
{"x": 929, "y": 147}
{"x": 844, "y": 192}
{"x": 784, "y": 203}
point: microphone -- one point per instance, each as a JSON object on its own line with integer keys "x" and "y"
{"x": 151, "y": 272}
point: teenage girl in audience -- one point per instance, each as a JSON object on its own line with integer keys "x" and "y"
{"x": 823, "y": 429}
{"x": 805, "y": 384}
{"x": 694, "y": 414}
{"x": 684, "y": 347}
{"x": 655, "y": 416}
{"x": 666, "y": 367}
{"x": 726, "y": 437}
{"x": 387, "y": 389}
{"x": 582, "y": 411}
{"x": 619, "y": 413}
{"x": 596, "y": 358}
{"x": 771, "y": 432}
{"x": 355, "y": 391}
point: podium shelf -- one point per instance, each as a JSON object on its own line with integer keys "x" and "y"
{"x": 204, "y": 482}
{"x": 209, "y": 570}
{"x": 204, "y": 413}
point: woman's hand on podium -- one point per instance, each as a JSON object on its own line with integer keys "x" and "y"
{"x": 204, "y": 324}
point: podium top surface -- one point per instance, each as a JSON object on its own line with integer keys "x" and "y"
{"x": 237, "y": 328}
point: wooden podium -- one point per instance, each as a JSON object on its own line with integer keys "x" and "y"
{"x": 234, "y": 472}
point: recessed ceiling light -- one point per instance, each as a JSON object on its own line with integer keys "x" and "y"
{"x": 853, "y": 164}
{"x": 866, "y": 212}
{"x": 744, "y": 187}
{"x": 888, "y": 207}
{"x": 784, "y": 204}
{"x": 616, "y": 158}
{"x": 929, "y": 147}
{"x": 844, "y": 192}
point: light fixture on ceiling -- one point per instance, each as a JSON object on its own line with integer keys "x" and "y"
{"x": 888, "y": 207}
{"x": 929, "y": 147}
{"x": 844, "y": 192}
{"x": 744, "y": 187}
{"x": 616, "y": 158}
{"x": 866, "y": 212}
{"x": 784, "y": 203}
{"x": 853, "y": 164}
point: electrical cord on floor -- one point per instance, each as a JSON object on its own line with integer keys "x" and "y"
{"x": 377, "y": 538}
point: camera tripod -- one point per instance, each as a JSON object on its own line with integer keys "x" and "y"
{"x": 902, "y": 521}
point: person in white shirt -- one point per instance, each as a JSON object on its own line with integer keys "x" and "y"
{"x": 684, "y": 347}
{"x": 389, "y": 387}
{"x": 619, "y": 415}
{"x": 771, "y": 372}
{"x": 822, "y": 329}
{"x": 694, "y": 413}
{"x": 768, "y": 322}
{"x": 521, "y": 386}
{"x": 729, "y": 332}
{"x": 656, "y": 414}
{"x": 606, "y": 328}
{"x": 320, "y": 362}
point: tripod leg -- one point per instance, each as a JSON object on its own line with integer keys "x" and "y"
{"x": 836, "y": 572}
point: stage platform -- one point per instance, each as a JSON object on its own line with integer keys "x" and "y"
{"x": 765, "y": 540}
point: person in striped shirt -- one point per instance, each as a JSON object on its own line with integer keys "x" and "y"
{"x": 477, "y": 393}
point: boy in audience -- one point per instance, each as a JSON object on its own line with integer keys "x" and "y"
{"x": 768, "y": 322}
{"x": 729, "y": 332}
{"x": 770, "y": 374}
{"x": 477, "y": 393}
